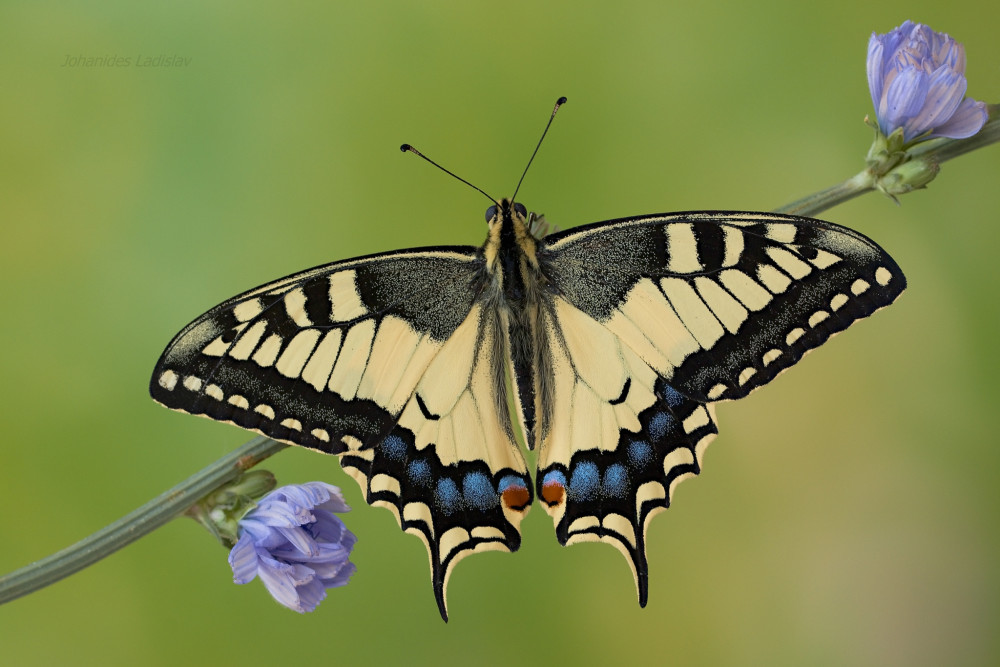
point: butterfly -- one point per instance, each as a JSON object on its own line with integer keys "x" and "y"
{"x": 605, "y": 346}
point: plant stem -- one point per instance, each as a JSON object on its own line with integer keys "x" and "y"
{"x": 816, "y": 203}
{"x": 131, "y": 527}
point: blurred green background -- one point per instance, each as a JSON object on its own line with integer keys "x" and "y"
{"x": 848, "y": 514}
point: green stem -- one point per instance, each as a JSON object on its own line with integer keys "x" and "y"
{"x": 816, "y": 203}
{"x": 144, "y": 520}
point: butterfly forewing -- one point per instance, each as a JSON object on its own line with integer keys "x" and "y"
{"x": 290, "y": 358}
{"x": 720, "y": 303}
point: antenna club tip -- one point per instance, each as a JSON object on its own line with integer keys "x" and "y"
{"x": 406, "y": 148}
{"x": 561, "y": 101}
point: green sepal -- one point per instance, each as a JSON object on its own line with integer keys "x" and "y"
{"x": 895, "y": 170}
{"x": 220, "y": 511}
{"x": 886, "y": 151}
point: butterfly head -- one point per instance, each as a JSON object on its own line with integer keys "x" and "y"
{"x": 505, "y": 208}
{"x": 509, "y": 238}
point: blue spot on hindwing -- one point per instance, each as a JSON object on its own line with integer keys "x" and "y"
{"x": 615, "y": 481}
{"x": 420, "y": 472}
{"x": 584, "y": 481}
{"x": 659, "y": 425}
{"x": 508, "y": 481}
{"x": 554, "y": 477}
{"x": 447, "y": 497}
{"x": 640, "y": 453}
{"x": 478, "y": 491}
{"x": 672, "y": 396}
{"x": 394, "y": 448}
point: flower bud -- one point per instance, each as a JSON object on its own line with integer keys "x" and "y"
{"x": 295, "y": 543}
{"x": 912, "y": 175}
{"x": 917, "y": 82}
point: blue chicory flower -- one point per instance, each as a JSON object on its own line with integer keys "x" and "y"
{"x": 296, "y": 544}
{"x": 917, "y": 81}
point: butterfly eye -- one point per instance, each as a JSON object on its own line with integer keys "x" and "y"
{"x": 521, "y": 210}
{"x": 491, "y": 213}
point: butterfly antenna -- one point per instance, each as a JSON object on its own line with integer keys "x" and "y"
{"x": 407, "y": 148}
{"x": 561, "y": 101}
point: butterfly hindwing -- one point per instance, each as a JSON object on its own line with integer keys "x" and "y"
{"x": 450, "y": 470}
{"x": 650, "y": 320}
{"x": 618, "y": 441}
{"x": 386, "y": 361}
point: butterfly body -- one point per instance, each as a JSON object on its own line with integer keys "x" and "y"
{"x": 616, "y": 339}
{"x": 511, "y": 261}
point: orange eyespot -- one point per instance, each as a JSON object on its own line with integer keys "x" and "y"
{"x": 553, "y": 493}
{"x": 515, "y": 497}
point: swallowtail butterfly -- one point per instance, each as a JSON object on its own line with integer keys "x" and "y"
{"x": 616, "y": 338}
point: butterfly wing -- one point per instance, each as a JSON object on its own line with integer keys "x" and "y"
{"x": 654, "y": 318}
{"x": 389, "y": 362}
